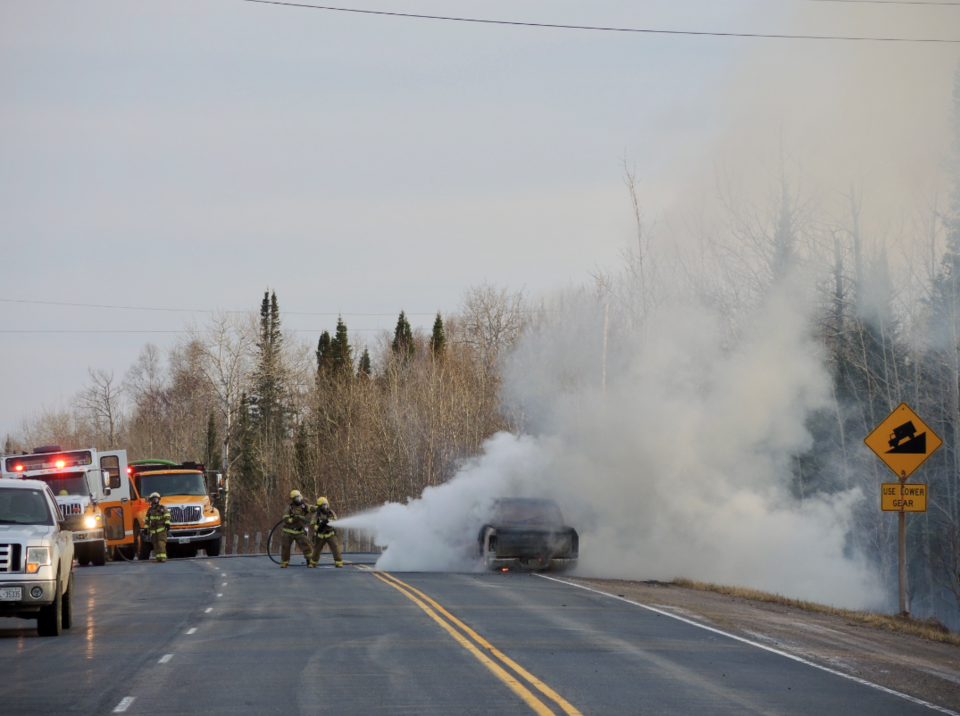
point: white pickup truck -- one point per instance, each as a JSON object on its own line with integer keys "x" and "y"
{"x": 36, "y": 557}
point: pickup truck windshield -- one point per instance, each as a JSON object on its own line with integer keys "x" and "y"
{"x": 528, "y": 512}
{"x": 184, "y": 483}
{"x": 67, "y": 483}
{"x": 23, "y": 507}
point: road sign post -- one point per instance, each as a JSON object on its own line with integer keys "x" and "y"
{"x": 903, "y": 441}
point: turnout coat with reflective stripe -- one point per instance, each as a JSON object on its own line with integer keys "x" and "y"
{"x": 158, "y": 519}
{"x": 319, "y": 522}
{"x": 295, "y": 517}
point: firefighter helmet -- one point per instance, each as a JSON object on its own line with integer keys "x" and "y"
{"x": 295, "y": 494}
{"x": 323, "y": 501}
{"x": 155, "y": 494}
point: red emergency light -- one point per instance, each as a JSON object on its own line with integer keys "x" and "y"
{"x": 19, "y": 468}
{"x": 129, "y": 470}
{"x": 60, "y": 463}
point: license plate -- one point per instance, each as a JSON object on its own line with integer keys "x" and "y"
{"x": 11, "y": 594}
{"x": 183, "y": 540}
{"x": 79, "y": 536}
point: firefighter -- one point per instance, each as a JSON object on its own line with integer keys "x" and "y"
{"x": 323, "y": 533}
{"x": 295, "y": 519}
{"x": 158, "y": 523}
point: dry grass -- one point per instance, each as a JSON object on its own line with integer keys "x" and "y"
{"x": 930, "y": 629}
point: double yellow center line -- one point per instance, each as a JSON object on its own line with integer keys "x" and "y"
{"x": 484, "y": 652}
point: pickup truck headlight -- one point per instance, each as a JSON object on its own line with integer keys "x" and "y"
{"x": 91, "y": 521}
{"x": 37, "y": 557}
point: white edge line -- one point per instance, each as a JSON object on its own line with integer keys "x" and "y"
{"x": 165, "y": 658}
{"x": 220, "y": 595}
{"x": 788, "y": 655}
{"x": 123, "y": 705}
{"x": 192, "y": 630}
{"x": 208, "y": 610}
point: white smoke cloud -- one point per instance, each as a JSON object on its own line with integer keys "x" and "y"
{"x": 681, "y": 467}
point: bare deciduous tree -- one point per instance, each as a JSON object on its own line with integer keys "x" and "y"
{"x": 101, "y": 402}
{"x": 492, "y": 318}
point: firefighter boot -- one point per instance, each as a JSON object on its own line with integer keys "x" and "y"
{"x": 283, "y": 565}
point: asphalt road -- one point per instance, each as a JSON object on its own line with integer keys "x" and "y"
{"x": 237, "y": 636}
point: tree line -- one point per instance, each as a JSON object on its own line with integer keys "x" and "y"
{"x": 359, "y": 424}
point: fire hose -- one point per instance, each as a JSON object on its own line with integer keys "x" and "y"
{"x": 270, "y": 539}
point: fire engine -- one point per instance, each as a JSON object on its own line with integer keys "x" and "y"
{"x": 183, "y": 489}
{"x": 92, "y": 491}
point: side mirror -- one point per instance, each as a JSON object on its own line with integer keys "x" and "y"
{"x": 219, "y": 482}
{"x": 106, "y": 479}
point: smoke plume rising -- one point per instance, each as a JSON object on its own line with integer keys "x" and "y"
{"x": 678, "y": 466}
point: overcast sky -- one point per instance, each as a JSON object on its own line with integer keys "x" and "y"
{"x": 191, "y": 154}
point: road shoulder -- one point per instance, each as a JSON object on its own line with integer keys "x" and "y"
{"x": 923, "y": 669}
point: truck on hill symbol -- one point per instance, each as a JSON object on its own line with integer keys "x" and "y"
{"x": 904, "y": 439}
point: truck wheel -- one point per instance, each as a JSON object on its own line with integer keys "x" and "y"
{"x": 99, "y": 555}
{"x": 67, "y": 608}
{"x": 212, "y": 547}
{"x": 80, "y": 552}
{"x": 50, "y": 621}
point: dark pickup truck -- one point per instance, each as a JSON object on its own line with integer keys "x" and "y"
{"x": 527, "y": 534}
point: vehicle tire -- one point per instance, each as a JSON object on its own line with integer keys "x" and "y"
{"x": 212, "y": 547}
{"x": 191, "y": 552}
{"x": 83, "y": 560}
{"x": 50, "y": 620}
{"x": 145, "y": 548}
{"x": 67, "y": 609}
{"x": 99, "y": 556}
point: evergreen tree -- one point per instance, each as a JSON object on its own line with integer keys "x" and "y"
{"x": 438, "y": 341}
{"x": 403, "y": 346}
{"x": 245, "y": 476}
{"x": 211, "y": 456}
{"x": 269, "y": 396}
{"x": 364, "y": 369}
{"x": 324, "y": 355}
{"x": 341, "y": 354}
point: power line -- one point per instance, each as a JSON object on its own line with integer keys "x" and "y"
{"x": 596, "y": 28}
{"x": 893, "y": 2}
{"x": 286, "y": 330}
{"x": 201, "y": 310}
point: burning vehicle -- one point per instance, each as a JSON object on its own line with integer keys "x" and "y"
{"x": 527, "y": 534}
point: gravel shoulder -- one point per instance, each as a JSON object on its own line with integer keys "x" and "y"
{"x": 924, "y": 669}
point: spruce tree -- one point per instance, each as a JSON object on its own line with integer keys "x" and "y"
{"x": 246, "y": 475}
{"x": 324, "y": 356}
{"x": 403, "y": 346}
{"x": 269, "y": 396}
{"x": 211, "y": 457}
{"x": 438, "y": 341}
{"x": 363, "y": 371}
{"x": 341, "y": 354}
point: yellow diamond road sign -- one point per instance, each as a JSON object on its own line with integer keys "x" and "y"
{"x": 903, "y": 441}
